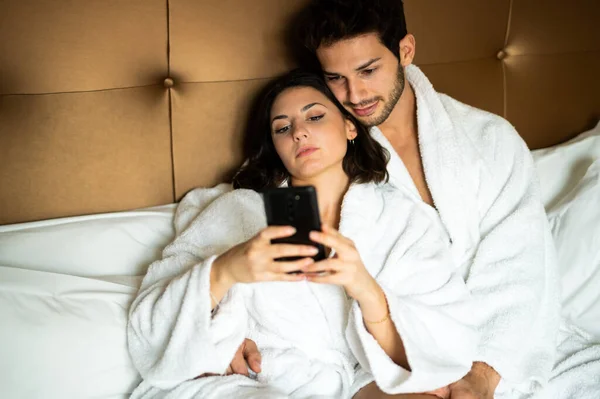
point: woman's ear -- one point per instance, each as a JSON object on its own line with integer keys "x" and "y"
{"x": 351, "y": 132}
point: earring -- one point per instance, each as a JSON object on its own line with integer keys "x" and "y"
{"x": 352, "y": 141}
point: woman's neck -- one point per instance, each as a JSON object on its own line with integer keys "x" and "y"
{"x": 331, "y": 188}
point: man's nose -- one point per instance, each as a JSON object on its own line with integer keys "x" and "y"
{"x": 355, "y": 91}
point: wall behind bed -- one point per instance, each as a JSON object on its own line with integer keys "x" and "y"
{"x": 109, "y": 105}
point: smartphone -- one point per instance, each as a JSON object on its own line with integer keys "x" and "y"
{"x": 297, "y": 207}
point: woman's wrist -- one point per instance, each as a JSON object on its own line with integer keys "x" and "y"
{"x": 373, "y": 303}
{"x": 370, "y": 293}
{"x": 220, "y": 278}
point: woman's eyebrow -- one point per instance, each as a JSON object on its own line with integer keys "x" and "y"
{"x": 280, "y": 117}
{"x": 309, "y": 106}
{"x": 304, "y": 109}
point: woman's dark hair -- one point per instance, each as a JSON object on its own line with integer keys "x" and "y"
{"x": 365, "y": 160}
{"x": 324, "y": 22}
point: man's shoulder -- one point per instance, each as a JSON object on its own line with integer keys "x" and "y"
{"x": 485, "y": 130}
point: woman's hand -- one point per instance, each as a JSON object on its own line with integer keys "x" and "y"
{"x": 345, "y": 268}
{"x": 254, "y": 260}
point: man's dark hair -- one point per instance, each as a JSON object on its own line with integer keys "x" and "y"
{"x": 324, "y": 22}
{"x": 365, "y": 160}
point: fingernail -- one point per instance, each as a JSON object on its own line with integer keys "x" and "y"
{"x": 256, "y": 366}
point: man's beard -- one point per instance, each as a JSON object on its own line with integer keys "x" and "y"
{"x": 390, "y": 103}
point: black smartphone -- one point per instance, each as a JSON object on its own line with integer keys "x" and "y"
{"x": 297, "y": 207}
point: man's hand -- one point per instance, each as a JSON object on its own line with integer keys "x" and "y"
{"x": 246, "y": 355}
{"x": 479, "y": 383}
{"x": 442, "y": 393}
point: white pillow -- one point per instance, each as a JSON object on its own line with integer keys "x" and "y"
{"x": 568, "y": 182}
{"x": 561, "y": 167}
{"x": 63, "y": 336}
{"x": 575, "y": 223}
{"x": 122, "y": 243}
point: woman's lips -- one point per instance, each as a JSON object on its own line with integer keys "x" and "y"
{"x": 366, "y": 111}
{"x": 306, "y": 151}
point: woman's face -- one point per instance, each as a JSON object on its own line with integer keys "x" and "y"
{"x": 310, "y": 134}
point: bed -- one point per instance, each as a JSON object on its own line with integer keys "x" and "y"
{"x": 110, "y": 111}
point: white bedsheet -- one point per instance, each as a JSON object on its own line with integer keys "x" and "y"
{"x": 64, "y": 336}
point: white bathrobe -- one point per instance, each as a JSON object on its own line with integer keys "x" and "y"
{"x": 311, "y": 336}
{"x": 483, "y": 183}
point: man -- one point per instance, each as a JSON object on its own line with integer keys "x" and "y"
{"x": 366, "y": 53}
{"x": 473, "y": 169}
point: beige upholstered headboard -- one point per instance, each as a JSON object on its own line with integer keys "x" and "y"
{"x": 110, "y": 105}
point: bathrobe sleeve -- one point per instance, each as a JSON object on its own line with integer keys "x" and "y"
{"x": 431, "y": 308}
{"x": 172, "y": 336}
{"x": 513, "y": 276}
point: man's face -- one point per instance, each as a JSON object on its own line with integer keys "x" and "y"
{"x": 364, "y": 75}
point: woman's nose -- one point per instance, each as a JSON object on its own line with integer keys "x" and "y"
{"x": 300, "y": 132}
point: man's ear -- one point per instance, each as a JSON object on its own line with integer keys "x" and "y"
{"x": 406, "y": 48}
{"x": 351, "y": 132}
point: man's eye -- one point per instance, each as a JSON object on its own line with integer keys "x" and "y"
{"x": 316, "y": 118}
{"x": 369, "y": 71}
{"x": 282, "y": 129}
{"x": 333, "y": 78}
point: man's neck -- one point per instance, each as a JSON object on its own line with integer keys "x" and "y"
{"x": 402, "y": 122}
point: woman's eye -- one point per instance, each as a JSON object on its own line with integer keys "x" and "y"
{"x": 316, "y": 117}
{"x": 282, "y": 129}
{"x": 333, "y": 78}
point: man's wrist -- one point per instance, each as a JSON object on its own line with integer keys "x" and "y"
{"x": 485, "y": 373}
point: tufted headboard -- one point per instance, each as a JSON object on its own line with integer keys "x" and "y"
{"x": 109, "y": 105}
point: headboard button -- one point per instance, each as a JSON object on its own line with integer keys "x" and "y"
{"x": 501, "y": 55}
{"x": 168, "y": 83}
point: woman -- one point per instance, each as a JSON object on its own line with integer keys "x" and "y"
{"x": 385, "y": 306}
